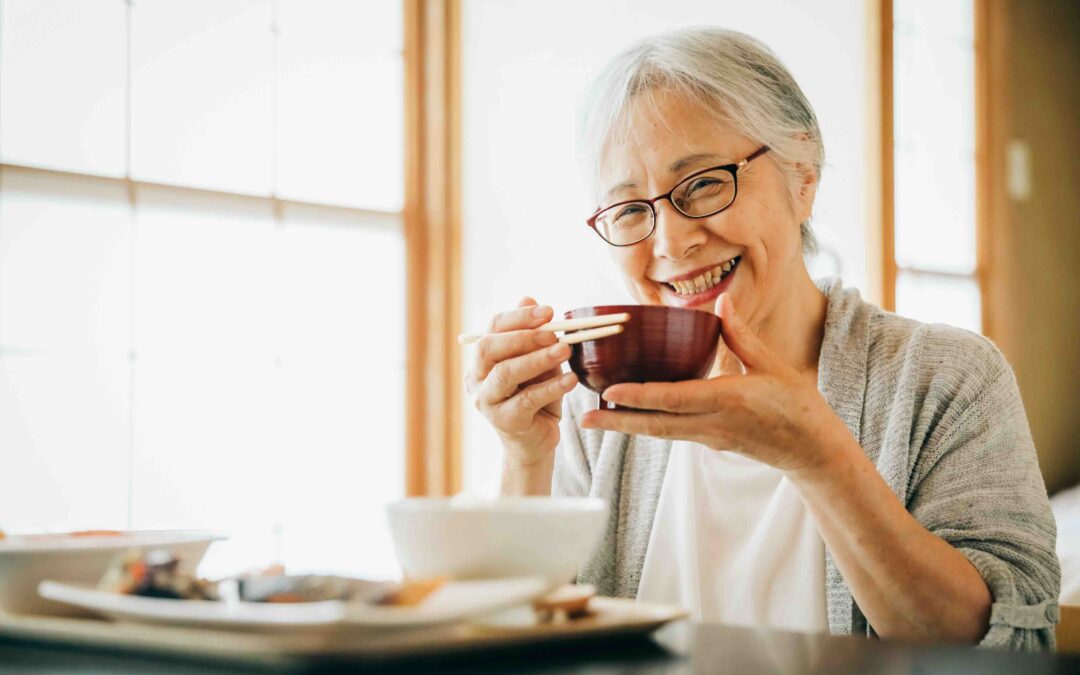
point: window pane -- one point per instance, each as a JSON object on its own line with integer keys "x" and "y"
{"x": 63, "y": 70}
{"x": 339, "y": 104}
{"x": 935, "y": 135}
{"x": 265, "y": 404}
{"x": 935, "y": 299}
{"x": 201, "y": 93}
{"x": 204, "y": 380}
{"x": 341, "y": 431}
{"x": 64, "y": 369}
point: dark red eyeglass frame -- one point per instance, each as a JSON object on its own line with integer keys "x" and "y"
{"x": 733, "y": 169}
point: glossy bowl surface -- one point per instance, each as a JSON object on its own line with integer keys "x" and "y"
{"x": 657, "y": 344}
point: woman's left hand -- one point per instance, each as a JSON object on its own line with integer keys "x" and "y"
{"x": 771, "y": 413}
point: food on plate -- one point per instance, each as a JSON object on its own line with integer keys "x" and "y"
{"x": 95, "y": 533}
{"x": 158, "y": 574}
{"x": 411, "y": 593}
{"x": 284, "y": 588}
{"x": 565, "y": 603}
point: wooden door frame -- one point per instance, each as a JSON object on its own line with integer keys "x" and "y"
{"x": 989, "y": 21}
{"x": 432, "y": 217}
{"x": 991, "y": 201}
{"x": 880, "y": 240}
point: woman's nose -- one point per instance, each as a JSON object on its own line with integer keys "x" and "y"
{"x": 677, "y": 236}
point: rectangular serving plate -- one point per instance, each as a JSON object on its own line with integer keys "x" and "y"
{"x": 610, "y": 617}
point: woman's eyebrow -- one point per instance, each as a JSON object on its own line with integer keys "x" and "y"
{"x": 625, "y": 185}
{"x": 675, "y": 167}
{"x": 681, "y": 164}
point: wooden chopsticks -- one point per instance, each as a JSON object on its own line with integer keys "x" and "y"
{"x": 574, "y": 330}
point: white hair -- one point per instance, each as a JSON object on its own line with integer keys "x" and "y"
{"x": 732, "y": 75}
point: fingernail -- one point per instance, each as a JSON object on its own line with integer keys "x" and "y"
{"x": 540, "y": 312}
{"x": 568, "y": 380}
{"x": 558, "y": 350}
{"x": 544, "y": 338}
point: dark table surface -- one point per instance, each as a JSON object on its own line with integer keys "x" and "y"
{"x": 678, "y": 648}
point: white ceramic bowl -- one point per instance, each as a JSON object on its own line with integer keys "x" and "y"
{"x": 504, "y": 537}
{"x": 27, "y": 560}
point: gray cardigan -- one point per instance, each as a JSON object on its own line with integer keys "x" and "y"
{"x": 937, "y": 410}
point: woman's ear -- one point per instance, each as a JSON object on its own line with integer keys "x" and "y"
{"x": 806, "y": 185}
{"x": 807, "y": 191}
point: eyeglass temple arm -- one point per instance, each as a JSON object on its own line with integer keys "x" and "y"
{"x": 757, "y": 153}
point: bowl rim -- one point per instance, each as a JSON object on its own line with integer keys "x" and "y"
{"x": 631, "y": 308}
{"x": 44, "y": 542}
{"x": 537, "y": 505}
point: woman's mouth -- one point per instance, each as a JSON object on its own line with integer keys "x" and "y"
{"x": 704, "y": 287}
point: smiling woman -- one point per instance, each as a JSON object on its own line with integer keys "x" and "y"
{"x": 842, "y": 469}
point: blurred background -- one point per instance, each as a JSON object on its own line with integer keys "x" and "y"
{"x": 237, "y": 237}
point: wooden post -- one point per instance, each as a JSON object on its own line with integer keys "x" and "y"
{"x": 433, "y": 246}
{"x": 880, "y": 239}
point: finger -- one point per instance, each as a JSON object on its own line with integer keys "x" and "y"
{"x": 495, "y": 348}
{"x": 692, "y": 396}
{"x": 524, "y": 316}
{"x": 741, "y": 340}
{"x": 656, "y": 424}
{"x": 507, "y": 376}
{"x": 529, "y": 401}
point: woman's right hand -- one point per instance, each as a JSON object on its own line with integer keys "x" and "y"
{"x": 517, "y": 382}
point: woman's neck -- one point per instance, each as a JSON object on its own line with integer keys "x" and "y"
{"x": 793, "y": 330}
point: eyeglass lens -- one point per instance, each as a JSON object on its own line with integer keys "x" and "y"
{"x": 698, "y": 196}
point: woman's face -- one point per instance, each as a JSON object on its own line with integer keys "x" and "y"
{"x": 752, "y": 250}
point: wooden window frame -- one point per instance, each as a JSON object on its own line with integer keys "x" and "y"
{"x": 432, "y": 222}
{"x": 881, "y": 239}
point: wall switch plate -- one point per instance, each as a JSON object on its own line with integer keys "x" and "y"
{"x": 1018, "y": 170}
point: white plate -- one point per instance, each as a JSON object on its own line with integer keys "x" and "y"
{"x": 454, "y": 601}
{"x": 26, "y": 560}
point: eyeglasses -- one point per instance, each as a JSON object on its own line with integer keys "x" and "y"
{"x": 699, "y": 195}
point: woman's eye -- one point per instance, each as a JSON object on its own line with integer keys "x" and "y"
{"x": 704, "y": 183}
{"x": 630, "y": 212}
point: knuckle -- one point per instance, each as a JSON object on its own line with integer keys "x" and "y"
{"x": 483, "y": 348}
{"x": 735, "y": 399}
{"x": 496, "y": 322}
{"x": 657, "y": 426}
{"x": 671, "y": 399}
{"x": 527, "y": 399}
{"x": 499, "y": 376}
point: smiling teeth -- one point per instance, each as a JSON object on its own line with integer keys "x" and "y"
{"x": 704, "y": 282}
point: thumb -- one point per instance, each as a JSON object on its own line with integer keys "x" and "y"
{"x": 748, "y": 347}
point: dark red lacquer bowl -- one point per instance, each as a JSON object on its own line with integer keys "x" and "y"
{"x": 657, "y": 344}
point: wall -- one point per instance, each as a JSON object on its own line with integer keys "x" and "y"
{"x": 1035, "y": 281}
{"x": 524, "y": 65}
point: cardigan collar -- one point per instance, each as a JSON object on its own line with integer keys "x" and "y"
{"x": 842, "y": 365}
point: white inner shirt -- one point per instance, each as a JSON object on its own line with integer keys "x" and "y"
{"x": 732, "y": 542}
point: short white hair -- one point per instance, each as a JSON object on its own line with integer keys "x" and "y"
{"x": 732, "y": 75}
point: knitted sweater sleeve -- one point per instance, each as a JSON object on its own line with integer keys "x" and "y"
{"x": 978, "y": 486}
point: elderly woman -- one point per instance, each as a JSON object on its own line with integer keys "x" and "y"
{"x": 843, "y": 469}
